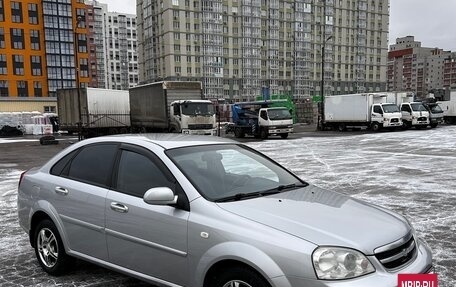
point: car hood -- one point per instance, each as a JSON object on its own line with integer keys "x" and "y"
{"x": 324, "y": 218}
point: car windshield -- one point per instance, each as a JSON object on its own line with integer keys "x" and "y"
{"x": 418, "y": 107}
{"x": 435, "y": 109}
{"x": 390, "y": 108}
{"x": 279, "y": 114}
{"x": 232, "y": 172}
{"x": 191, "y": 109}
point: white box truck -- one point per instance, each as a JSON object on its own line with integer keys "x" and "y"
{"x": 414, "y": 114}
{"x": 97, "y": 111}
{"x": 449, "y": 109}
{"x": 172, "y": 106}
{"x": 361, "y": 110}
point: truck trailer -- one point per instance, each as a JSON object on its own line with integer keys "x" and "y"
{"x": 361, "y": 110}
{"x": 93, "y": 111}
{"x": 172, "y": 106}
{"x": 449, "y": 109}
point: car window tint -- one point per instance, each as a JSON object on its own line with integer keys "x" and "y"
{"x": 137, "y": 174}
{"x": 62, "y": 163}
{"x": 93, "y": 164}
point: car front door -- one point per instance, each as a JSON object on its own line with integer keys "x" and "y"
{"x": 149, "y": 239}
{"x": 80, "y": 184}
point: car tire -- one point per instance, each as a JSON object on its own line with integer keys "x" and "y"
{"x": 284, "y": 136}
{"x": 49, "y": 249}
{"x": 264, "y": 134}
{"x": 434, "y": 125}
{"x": 240, "y": 277}
{"x": 341, "y": 127}
{"x": 375, "y": 127}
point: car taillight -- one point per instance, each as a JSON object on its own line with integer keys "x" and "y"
{"x": 21, "y": 177}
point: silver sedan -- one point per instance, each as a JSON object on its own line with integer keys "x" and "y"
{"x": 178, "y": 210}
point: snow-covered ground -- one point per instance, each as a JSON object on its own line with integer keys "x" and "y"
{"x": 411, "y": 172}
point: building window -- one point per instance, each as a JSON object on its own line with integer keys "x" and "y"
{"x": 36, "y": 65}
{"x": 33, "y": 13}
{"x": 34, "y": 39}
{"x": 4, "y": 88}
{"x": 2, "y": 38}
{"x": 17, "y": 38}
{"x": 84, "y": 68}
{"x": 82, "y": 43}
{"x": 16, "y": 12}
{"x": 80, "y": 14}
{"x": 2, "y": 12}
{"x": 3, "y": 67}
{"x": 22, "y": 89}
{"x": 49, "y": 109}
{"x": 175, "y": 2}
{"x": 18, "y": 65}
{"x": 38, "y": 90}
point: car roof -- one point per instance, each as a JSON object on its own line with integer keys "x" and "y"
{"x": 165, "y": 140}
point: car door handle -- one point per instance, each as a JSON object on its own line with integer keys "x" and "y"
{"x": 119, "y": 207}
{"x": 61, "y": 190}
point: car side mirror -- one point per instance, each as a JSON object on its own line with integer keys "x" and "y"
{"x": 160, "y": 196}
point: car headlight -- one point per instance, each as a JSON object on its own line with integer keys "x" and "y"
{"x": 333, "y": 263}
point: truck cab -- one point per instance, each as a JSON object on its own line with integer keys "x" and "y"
{"x": 385, "y": 115}
{"x": 414, "y": 114}
{"x": 275, "y": 121}
{"x": 261, "y": 120}
{"x": 435, "y": 113}
{"x": 195, "y": 117}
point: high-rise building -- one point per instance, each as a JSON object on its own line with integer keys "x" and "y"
{"x": 246, "y": 48}
{"x": 413, "y": 68}
{"x": 37, "y": 47}
{"x": 115, "y": 47}
{"x": 449, "y": 71}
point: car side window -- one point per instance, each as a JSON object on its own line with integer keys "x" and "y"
{"x": 264, "y": 115}
{"x": 59, "y": 167}
{"x": 93, "y": 164}
{"x": 138, "y": 173}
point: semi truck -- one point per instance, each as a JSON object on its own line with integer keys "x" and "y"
{"x": 260, "y": 119}
{"x": 414, "y": 114}
{"x": 172, "y": 106}
{"x": 361, "y": 110}
{"x": 449, "y": 109}
{"x": 93, "y": 111}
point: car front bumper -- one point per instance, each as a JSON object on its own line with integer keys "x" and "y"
{"x": 380, "y": 278}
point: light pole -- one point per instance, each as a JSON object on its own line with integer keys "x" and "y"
{"x": 78, "y": 90}
{"x": 322, "y": 85}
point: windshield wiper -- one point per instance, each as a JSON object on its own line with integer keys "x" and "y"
{"x": 238, "y": 196}
{"x": 274, "y": 190}
{"x": 287, "y": 186}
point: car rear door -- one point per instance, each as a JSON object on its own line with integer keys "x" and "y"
{"x": 146, "y": 238}
{"x": 80, "y": 185}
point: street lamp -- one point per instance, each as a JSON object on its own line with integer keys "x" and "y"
{"x": 76, "y": 60}
{"x": 322, "y": 84}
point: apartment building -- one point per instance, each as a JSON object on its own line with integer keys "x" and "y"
{"x": 413, "y": 68}
{"x": 245, "y": 48}
{"x": 38, "y": 39}
{"x": 449, "y": 71}
{"x": 115, "y": 47}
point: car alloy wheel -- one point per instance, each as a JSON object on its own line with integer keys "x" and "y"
{"x": 237, "y": 283}
{"x": 48, "y": 248}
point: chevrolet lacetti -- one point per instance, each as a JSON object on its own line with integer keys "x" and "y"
{"x": 178, "y": 210}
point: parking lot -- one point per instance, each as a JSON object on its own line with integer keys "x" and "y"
{"x": 411, "y": 172}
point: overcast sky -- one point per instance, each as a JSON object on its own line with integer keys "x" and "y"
{"x": 432, "y": 22}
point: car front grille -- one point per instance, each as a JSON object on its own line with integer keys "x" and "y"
{"x": 394, "y": 120}
{"x": 200, "y": 127}
{"x": 422, "y": 119}
{"x": 397, "y": 254}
